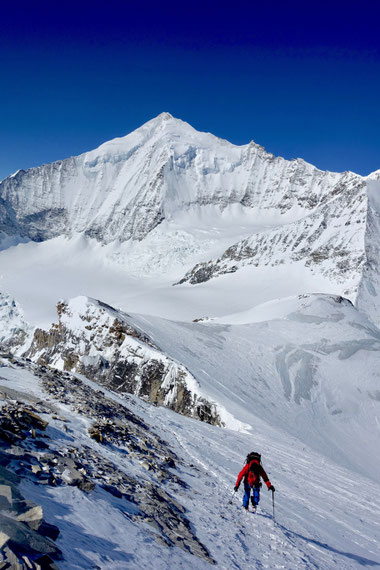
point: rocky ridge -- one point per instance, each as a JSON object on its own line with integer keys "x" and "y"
{"x": 25, "y": 537}
{"x": 93, "y": 339}
{"x": 143, "y": 485}
{"x": 329, "y": 240}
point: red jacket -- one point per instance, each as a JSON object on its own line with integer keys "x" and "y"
{"x": 252, "y": 473}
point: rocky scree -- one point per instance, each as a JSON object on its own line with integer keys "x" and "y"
{"x": 26, "y": 539}
{"x": 118, "y": 434}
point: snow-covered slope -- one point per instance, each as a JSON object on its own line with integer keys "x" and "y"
{"x": 308, "y": 365}
{"x": 136, "y": 512}
{"x": 329, "y": 240}
{"x": 296, "y": 364}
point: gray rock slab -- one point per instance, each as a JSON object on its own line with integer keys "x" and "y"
{"x": 5, "y": 497}
{"x": 32, "y": 517}
{"x": 24, "y": 539}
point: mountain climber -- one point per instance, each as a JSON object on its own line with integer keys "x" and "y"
{"x": 252, "y": 472}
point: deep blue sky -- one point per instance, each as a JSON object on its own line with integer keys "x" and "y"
{"x": 300, "y": 78}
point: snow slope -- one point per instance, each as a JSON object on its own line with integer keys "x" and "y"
{"x": 325, "y": 515}
{"x": 309, "y": 368}
{"x": 307, "y": 365}
{"x": 64, "y": 268}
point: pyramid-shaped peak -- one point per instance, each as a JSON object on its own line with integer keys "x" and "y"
{"x": 164, "y": 120}
{"x": 165, "y": 116}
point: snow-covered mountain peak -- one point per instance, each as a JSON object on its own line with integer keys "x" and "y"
{"x": 13, "y": 327}
{"x": 165, "y": 116}
{"x": 187, "y": 202}
{"x": 162, "y": 139}
{"x": 374, "y": 175}
{"x": 129, "y": 185}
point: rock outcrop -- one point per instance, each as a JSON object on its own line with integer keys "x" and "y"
{"x": 329, "y": 240}
{"x": 99, "y": 342}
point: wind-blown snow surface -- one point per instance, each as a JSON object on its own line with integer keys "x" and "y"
{"x": 326, "y": 516}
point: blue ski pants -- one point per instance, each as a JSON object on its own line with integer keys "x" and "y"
{"x": 255, "y": 495}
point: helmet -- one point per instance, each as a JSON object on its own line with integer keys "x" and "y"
{"x": 253, "y": 456}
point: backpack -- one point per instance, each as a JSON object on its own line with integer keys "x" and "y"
{"x": 254, "y": 472}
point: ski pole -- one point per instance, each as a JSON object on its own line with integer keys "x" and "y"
{"x": 232, "y": 496}
{"x": 273, "y": 505}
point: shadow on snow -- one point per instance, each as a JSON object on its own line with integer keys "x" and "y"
{"x": 359, "y": 559}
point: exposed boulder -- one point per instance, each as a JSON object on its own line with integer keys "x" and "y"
{"x": 25, "y": 540}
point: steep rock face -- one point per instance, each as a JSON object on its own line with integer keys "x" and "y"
{"x": 330, "y": 240}
{"x": 97, "y": 341}
{"x": 369, "y": 286}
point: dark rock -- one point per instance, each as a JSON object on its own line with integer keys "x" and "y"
{"x": 32, "y": 517}
{"x": 170, "y": 462}
{"x": 113, "y": 490}
{"x": 45, "y": 563}
{"x": 24, "y": 539}
{"x": 72, "y": 476}
{"x": 49, "y": 530}
{"x": 95, "y": 434}
{"x": 34, "y": 420}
